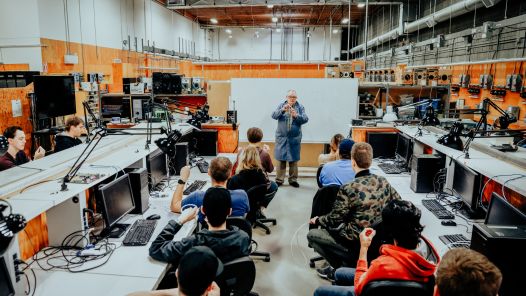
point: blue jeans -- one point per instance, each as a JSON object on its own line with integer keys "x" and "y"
{"x": 343, "y": 284}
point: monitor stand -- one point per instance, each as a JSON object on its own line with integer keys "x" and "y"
{"x": 116, "y": 231}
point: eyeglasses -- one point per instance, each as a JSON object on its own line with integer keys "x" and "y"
{"x": 292, "y": 97}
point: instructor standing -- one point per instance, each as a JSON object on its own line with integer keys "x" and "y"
{"x": 290, "y": 116}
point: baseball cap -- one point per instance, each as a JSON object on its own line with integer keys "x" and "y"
{"x": 197, "y": 270}
{"x": 346, "y": 146}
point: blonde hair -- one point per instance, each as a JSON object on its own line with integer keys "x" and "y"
{"x": 249, "y": 159}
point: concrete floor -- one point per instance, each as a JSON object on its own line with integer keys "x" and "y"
{"x": 288, "y": 272}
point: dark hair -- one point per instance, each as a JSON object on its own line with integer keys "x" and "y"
{"x": 73, "y": 121}
{"x": 401, "y": 220}
{"x": 11, "y": 131}
{"x": 336, "y": 139}
{"x": 220, "y": 168}
{"x": 468, "y": 273}
{"x": 254, "y": 135}
{"x": 216, "y": 205}
{"x": 362, "y": 153}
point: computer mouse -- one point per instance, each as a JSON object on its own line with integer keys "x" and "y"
{"x": 153, "y": 217}
{"x": 448, "y": 223}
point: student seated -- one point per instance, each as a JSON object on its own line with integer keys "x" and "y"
{"x": 254, "y": 136}
{"x": 358, "y": 205}
{"x": 15, "y": 154}
{"x": 464, "y": 272}
{"x": 227, "y": 244}
{"x": 333, "y": 154}
{"x": 340, "y": 171}
{"x": 70, "y": 137}
{"x": 405, "y": 260}
{"x": 219, "y": 172}
{"x": 195, "y": 275}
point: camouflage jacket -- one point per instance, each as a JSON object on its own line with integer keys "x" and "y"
{"x": 358, "y": 205}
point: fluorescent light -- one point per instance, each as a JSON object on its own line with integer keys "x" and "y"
{"x": 335, "y": 31}
{"x": 274, "y": 19}
{"x": 278, "y": 30}
{"x": 361, "y": 5}
{"x": 213, "y": 20}
{"x": 345, "y": 20}
{"x": 270, "y": 6}
{"x": 230, "y": 36}
{"x": 228, "y": 31}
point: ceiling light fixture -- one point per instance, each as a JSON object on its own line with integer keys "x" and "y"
{"x": 345, "y": 20}
{"x": 213, "y": 20}
{"x": 270, "y": 6}
{"x": 278, "y": 30}
{"x": 361, "y": 5}
{"x": 230, "y": 36}
{"x": 335, "y": 31}
{"x": 274, "y": 19}
{"x": 228, "y": 31}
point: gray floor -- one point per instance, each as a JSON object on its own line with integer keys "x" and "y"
{"x": 288, "y": 272}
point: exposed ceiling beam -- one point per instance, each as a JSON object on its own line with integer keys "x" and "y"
{"x": 183, "y": 7}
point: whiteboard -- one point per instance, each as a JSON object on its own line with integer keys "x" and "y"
{"x": 329, "y": 103}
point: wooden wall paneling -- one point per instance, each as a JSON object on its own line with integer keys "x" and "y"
{"x": 34, "y": 237}
{"x": 218, "y": 93}
{"x": 14, "y": 67}
{"x": 6, "y": 114}
{"x": 228, "y": 138}
{"x": 308, "y": 155}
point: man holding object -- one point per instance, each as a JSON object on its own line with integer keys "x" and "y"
{"x": 290, "y": 116}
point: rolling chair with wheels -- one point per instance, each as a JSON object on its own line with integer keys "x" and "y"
{"x": 318, "y": 172}
{"x": 4, "y": 144}
{"x": 245, "y": 226}
{"x": 398, "y": 287}
{"x": 261, "y": 220}
{"x": 237, "y": 278}
{"x": 257, "y": 194}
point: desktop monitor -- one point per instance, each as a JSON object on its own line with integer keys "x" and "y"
{"x": 501, "y": 212}
{"x": 383, "y": 143}
{"x": 404, "y": 149}
{"x": 54, "y": 96}
{"x": 117, "y": 200}
{"x": 466, "y": 184}
{"x": 156, "y": 165}
{"x": 6, "y": 286}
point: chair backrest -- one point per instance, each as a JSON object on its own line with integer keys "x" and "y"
{"x": 240, "y": 223}
{"x": 318, "y": 172}
{"x": 255, "y": 195}
{"x": 379, "y": 239}
{"x": 398, "y": 287}
{"x": 238, "y": 277}
{"x": 324, "y": 200}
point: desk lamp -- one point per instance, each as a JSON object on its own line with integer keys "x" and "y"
{"x": 452, "y": 139}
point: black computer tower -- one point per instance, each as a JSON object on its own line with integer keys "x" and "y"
{"x": 180, "y": 159}
{"x": 383, "y": 143}
{"x": 206, "y": 142}
{"x": 504, "y": 246}
{"x": 424, "y": 168}
{"x": 141, "y": 194}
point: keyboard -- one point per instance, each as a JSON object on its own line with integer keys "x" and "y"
{"x": 140, "y": 233}
{"x": 203, "y": 166}
{"x": 196, "y": 185}
{"x": 391, "y": 168}
{"x": 455, "y": 240}
{"x": 437, "y": 209}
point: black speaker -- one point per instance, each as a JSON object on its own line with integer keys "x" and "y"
{"x": 206, "y": 142}
{"x": 126, "y": 84}
{"x": 383, "y": 143}
{"x": 504, "y": 246}
{"x": 424, "y": 168}
{"x": 139, "y": 185}
{"x": 175, "y": 163}
{"x": 157, "y": 81}
{"x": 231, "y": 116}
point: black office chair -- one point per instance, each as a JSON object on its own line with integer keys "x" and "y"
{"x": 237, "y": 278}
{"x": 261, "y": 220}
{"x": 255, "y": 195}
{"x": 245, "y": 226}
{"x": 321, "y": 205}
{"x": 398, "y": 287}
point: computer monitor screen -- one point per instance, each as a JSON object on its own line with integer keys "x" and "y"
{"x": 383, "y": 143}
{"x": 6, "y": 287}
{"x": 501, "y": 212}
{"x": 54, "y": 96}
{"x": 117, "y": 200}
{"x": 403, "y": 147}
{"x": 466, "y": 184}
{"x": 156, "y": 166}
